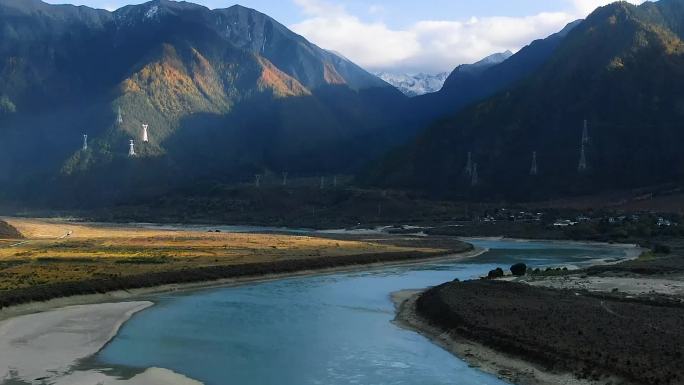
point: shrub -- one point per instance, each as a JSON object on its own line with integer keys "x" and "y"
{"x": 496, "y": 273}
{"x": 519, "y": 269}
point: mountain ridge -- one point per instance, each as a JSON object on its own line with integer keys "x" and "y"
{"x": 471, "y": 83}
{"x": 178, "y": 67}
{"x": 617, "y": 69}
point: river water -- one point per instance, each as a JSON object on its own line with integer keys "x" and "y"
{"x": 327, "y": 329}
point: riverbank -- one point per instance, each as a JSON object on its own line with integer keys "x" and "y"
{"x": 597, "y": 329}
{"x": 595, "y": 319}
{"x": 63, "y": 259}
{"x": 45, "y": 346}
{"x": 507, "y": 367}
{"x": 33, "y": 344}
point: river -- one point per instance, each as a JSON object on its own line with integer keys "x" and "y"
{"x": 323, "y": 329}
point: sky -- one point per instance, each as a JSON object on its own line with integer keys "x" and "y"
{"x": 410, "y": 36}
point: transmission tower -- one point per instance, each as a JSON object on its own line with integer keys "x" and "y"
{"x": 585, "y": 132}
{"x": 533, "y": 169}
{"x": 146, "y": 138}
{"x": 474, "y": 180}
{"x": 85, "y": 142}
{"x": 119, "y": 117}
{"x": 284, "y": 178}
{"x": 583, "y": 160}
{"x": 131, "y": 148}
{"x": 257, "y": 180}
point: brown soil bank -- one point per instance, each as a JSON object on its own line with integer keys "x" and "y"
{"x": 591, "y": 335}
{"x": 8, "y": 231}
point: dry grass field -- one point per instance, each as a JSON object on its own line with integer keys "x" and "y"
{"x": 55, "y": 251}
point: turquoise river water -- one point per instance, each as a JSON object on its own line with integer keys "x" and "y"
{"x": 329, "y": 329}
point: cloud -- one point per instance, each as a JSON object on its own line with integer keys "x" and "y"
{"x": 428, "y": 45}
{"x": 584, "y": 7}
{"x": 445, "y": 44}
{"x": 373, "y": 45}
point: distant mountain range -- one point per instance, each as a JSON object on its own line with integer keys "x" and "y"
{"x": 621, "y": 70}
{"x": 226, "y": 94}
{"x": 414, "y": 84}
{"x": 420, "y": 84}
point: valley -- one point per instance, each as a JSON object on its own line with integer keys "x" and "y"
{"x": 331, "y": 192}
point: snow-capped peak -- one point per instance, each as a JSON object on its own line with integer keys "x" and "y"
{"x": 415, "y": 84}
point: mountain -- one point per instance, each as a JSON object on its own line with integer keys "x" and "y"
{"x": 226, "y": 93}
{"x": 471, "y": 83}
{"x": 473, "y": 72}
{"x": 414, "y": 84}
{"x": 622, "y": 70}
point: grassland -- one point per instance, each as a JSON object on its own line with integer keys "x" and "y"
{"x": 57, "y": 258}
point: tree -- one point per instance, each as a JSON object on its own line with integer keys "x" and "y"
{"x": 519, "y": 269}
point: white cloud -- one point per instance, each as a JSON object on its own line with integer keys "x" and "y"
{"x": 372, "y": 45}
{"x": 584, "y": 7}
{"x": 445, "y": 44}
{"x": 428, "y": 45}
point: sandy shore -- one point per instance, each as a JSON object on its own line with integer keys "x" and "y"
{"x": 152, "y": 376}
{"x": 505, "y": 367}
{"x": 41, "y": 346}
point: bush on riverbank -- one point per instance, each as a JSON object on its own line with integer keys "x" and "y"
{"x": 496, "y": 273}
{"x": 519, "y": 269}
